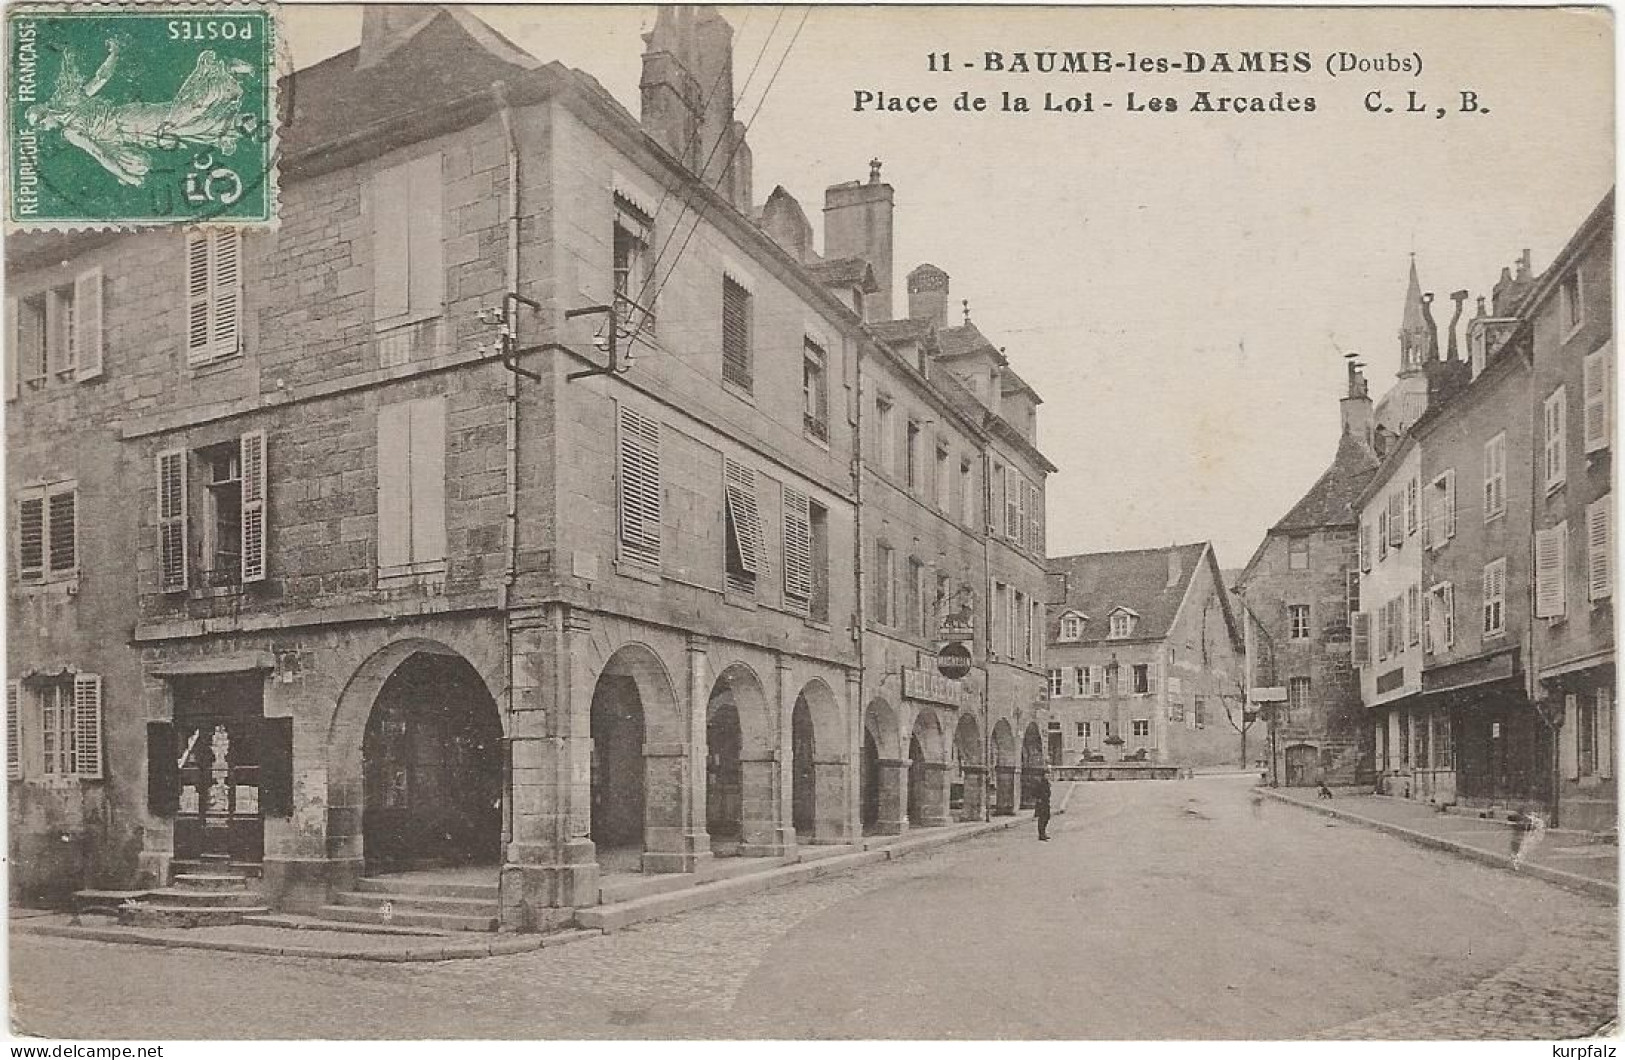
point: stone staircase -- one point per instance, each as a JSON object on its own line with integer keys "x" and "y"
{"x": 194, "y": 899}
{"x": 421, "y": 903}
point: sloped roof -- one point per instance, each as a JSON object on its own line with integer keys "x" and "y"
{"x": 1098, "y": 583}
{"x": 904, "y": 330}
{"x": 965, "y": 340}
{"x": 845, "y": 272}
{"x": 1331, "y": 500}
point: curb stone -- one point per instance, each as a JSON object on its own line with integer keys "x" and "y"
{"x": 1573, "y": 881}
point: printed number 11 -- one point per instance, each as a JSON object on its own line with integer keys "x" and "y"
{"x": 938, "y": 61}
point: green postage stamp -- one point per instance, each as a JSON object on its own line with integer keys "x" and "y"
{"x": 140, "y": 114}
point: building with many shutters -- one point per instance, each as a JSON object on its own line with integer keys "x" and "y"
{"x": 429, "y": 570}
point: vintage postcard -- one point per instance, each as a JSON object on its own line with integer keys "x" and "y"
{"x": 974, "y": 523}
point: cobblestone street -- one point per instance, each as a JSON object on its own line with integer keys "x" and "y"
{"x": 1162, "y": 910}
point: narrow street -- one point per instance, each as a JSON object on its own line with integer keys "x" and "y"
{"x": 1184, "y": 910}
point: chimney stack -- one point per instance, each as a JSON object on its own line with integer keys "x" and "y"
{"x": 1356, "y": 411}
{"x": 928, "y": 295}
{"x": 1458, "y": 297}
{"x": 1175, "y": 568}
{"x": 384, "y": 26}
{"x": 858, "y": 224}
{"x": 687, "y": 98}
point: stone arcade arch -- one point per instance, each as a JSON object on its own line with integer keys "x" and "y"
{"x": 1032, "y": 763}
{"x": 882, "y": 788}
{"x": 740, "y": 777}
{"x": 927, "y": 772}
{"x": 818, "y": 766}
{"x": 1005, "y": 767}
{"x": 637, "y": 761}
{"x": 971, "y": 775}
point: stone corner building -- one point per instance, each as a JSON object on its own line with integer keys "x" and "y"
{"x": 332, "y": 562}
{"x": 1295, "y": 589}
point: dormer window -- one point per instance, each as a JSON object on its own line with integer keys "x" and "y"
{"x": 1071, "y": 626}
{"x": 1122, "y": 623}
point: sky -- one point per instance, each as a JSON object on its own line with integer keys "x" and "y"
{"x": 1180, "y": 287}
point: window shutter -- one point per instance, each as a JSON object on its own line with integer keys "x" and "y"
{"x": 1449, "y": 603}
{"x": 1551, "y": 548}
{"x": 276, "y": 767}
{"x": 1412, "y": 491}
{"x": 1605, "y": 731}
{"x": 172, "y": 529}
{"x": 197, "y": 297}
{"x": 1362, "y": 638}
{"x": 252, "y": 447}
{"x": 1450, "y": 503}
{"x": 1557, "y": 411}
{"x": 227, "y": 286}
{"x": 640, "y": 489}
{"x": 13, "y": 358}
{"x": 736, "y": 367}
{"x": 1427, "y": 622}
{"x": 798, "y": 549}
{"x": 61, "y": 524}
{"x": 31, "y": 538}
{"x": 1430, "y": 508}
{"x": 1151, "y": 680}
{"x": 87, "y": 725}
{"x": 395, "y": 485}
{"x": 87, "y": 324}
{"x": 426, "y": 282}
{"x": 1568, "y": 738}
{"x": 163, "y": 770}
{"x": 742, "y": 511}
{"x": 1396, "y": 519}
{"x": 1365, "y": 547}
{"x": 1600, "y": 549}
{"x": 1413, "y": 613}
{"x": 1598, "y": 390}
{"x": 428, "y": 479}
{"x": 14, "y": 731}
{"x": 391, "y": 244}
{"x": 57, "y": 333}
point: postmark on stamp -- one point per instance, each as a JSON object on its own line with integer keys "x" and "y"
{"x": 140, "y": 115}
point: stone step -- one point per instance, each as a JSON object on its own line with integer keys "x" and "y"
{"x": 182, "y": 898}
{"x": 209, "y": 881}
{"x": 298, "y": 922}
{"x": 443, "y": 922}
{"x": 213, "y": 865}
{"x": 428, "y": 887}
{"x": 419, "y": 903}
{"x": 146, "y": 914}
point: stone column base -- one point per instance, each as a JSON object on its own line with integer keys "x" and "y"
{"x": 892, "y": 780}
{"x": 1004, "y": 791}
{"x": 691, "y": 850}
{"x": 934, "y": 796}
{"x": 304, "y": 885}
{"x": 540, "y": 879}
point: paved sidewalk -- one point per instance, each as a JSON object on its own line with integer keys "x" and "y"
{"x": 317, "y": 939}
{"x": 1572, "y": 859}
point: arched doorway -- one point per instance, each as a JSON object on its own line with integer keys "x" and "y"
{"x": 819, "y": 803}
{"x": 803, "y": 781}
{"x": 1005, "y": 767}
{"x": 1032, "y": 763}
{"x": 968, "y": 781}
{"x": 927, "y": 772}
{"x": 617, "y": 769}
{"x": 638, "y": 765}
{"x": 880, "y": 800}
{"x": 740, "y": 771}
{"x": 432, "y": 768}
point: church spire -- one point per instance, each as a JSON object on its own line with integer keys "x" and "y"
{"x": 1413, "y": 329}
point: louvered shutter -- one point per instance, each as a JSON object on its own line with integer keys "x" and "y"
{"x": 1557, "y": 410}
{"x": 1362, "y": 638}
{"x": 87, "y": 726}
{"x": 1427, "y": 623}
{"x": 426, "y": 284}
{"x": 172, "y": 530}
{"x": 57, "y": 333}
{"x": 798, "y": 549}
{"x": 743, "y": 515}
{"x": 1413, "y": 613}
{"x": 252, "y": 447}
{"x": 640, "y": 489}
{"x": 13, "y": 343}
{"x": 391, "y": 243}
{"x": 87, "y": 324}
{"x": 1600, "y": 549}
{"x": 1605, "y": 731}
{"x": 1450, "y": 503}
{"x": 1430, "y": 510}
{"x": 198, "y": 350}
{"x": 163, "y": 769}
{"x": 428, "y": 480}
{"x": 1449, "y": 604}
{"x": 1598, "y": 391}
{"x": 276, "y": 767}
{"x": 31, "y": 538}
{"x": 394, "y": 486}
{"x": 226, "y": 282}
{"x": 1412, "y": 502}
{"x": 1396, "y": 519}
{"x": 14, "y": 730}
{"x": 1568, "y": 737}
{"x": 736, "y": 367}
{"x": 1382, "y": 534}
{"x": 1551, "y": 547}
{"x": 1365, "y": 547}
{"x": 61, "y": 525}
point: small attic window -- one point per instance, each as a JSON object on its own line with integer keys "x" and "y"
{"x": 1122, "y": 624}
{"x": 1071, "y": 626}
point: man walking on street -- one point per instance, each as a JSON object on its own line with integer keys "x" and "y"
{"x": 1041, "y": 806}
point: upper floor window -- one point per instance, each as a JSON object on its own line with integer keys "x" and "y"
{"x": 1298, "y": 552}
{"x": 736, "y": 334}
{"x": 47, "y": 532}
{"x": 65, "y": 714}
{"x": 1570, "y": 303}
{"x": 814, "y": 390}
{"x": 214, "y": 536}
{"x": 1071, "y": 626}
{"x": 744, "y": 528}
{"x": 1439, "y": 510}
{"x": 1057, "y": 684}
{"x": 1297, "y": 697}
{"x": 1439, "y": 618}
{"x": 1598, "y": 387}
{"x": 1495, "y": 476}
{"x": 885, "y": 437}
{"x": 967, "y": 492}
{"x": 1600, "y": 548}
{"x": 1298, "y": 620}
{"x": 408, "y": 244}
{"x": 214, "y": 295}
{"x": 882, "y": 583}
{"x": 1495, "y": 590}
{"x": 1140, "y": 678}
{"x": 941, "y": 486}
{"x": 1122, "y": 624}
{"x": 55, "y": 333}
{"x": 632, "y": 262}
{"x": 1555, "y": 453}
{"x": 639, "y": 488}
{"x": 911, "y": 456}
